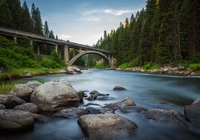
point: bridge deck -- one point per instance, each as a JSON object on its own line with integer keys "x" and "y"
{"x": 46, "y": 40}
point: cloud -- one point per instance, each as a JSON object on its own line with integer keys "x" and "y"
{"x": 94, "y": 19}
{"x": 64, "y": 37}
{"x": 117, "y": 12}
{"x": 108, "y": 11}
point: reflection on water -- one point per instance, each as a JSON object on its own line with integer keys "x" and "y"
{"x": 144, "y": 89}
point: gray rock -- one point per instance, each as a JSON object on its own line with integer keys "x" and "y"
{"x": 27, "y": 74}
{"x": 2, "y": 106}
{"x": 14, "y": 120}
{"x": 119, "y": 88}
{"x": 129, "y": 109}
{"x": 94, "y": 94}
{"x": 106, "y": 126}
{"x": 166, "y": 103}
{"x": 72, "y": 112}
{"x": 192, "y": 112}
{"x": 33, "y": 84}
{"x": 30, "y": 107}
{"x": 54, "y": 96}
{"x": 73, "y": 70}
{"x": 164, "y": 116}
{"x": 126, "y": 102}
{"x": 10, "y": 101}
{"x": 22, "y": 91}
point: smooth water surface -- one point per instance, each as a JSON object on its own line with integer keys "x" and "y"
{"x": 146, "y": 90}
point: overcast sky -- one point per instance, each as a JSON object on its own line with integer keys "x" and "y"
{"x": 84, "y": 21}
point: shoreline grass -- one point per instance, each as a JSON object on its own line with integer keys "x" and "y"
{"x": 18, "y": 73}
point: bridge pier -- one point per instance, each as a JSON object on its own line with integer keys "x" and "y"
{"x": 59, "y": 52}
{"x": 56, "y": 48}
{"x": 15, "y": 39}
{"x": 38, "y": 49}
{"x": 66, "y": 54}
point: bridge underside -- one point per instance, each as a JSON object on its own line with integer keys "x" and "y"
{"x": 108, "y": 59}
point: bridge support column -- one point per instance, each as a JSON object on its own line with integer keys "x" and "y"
{"x": 31, "y": 42}
{"x": 59, "y": 53}
{"x": 56, "y": 48}
{"x": 66, "y": 54}
{"x": 38, "y": 50}
{"x": 74, "y": 52}
{"x": 15, "y": 39}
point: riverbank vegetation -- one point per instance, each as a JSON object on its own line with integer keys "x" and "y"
{"x": 162, "y": 33}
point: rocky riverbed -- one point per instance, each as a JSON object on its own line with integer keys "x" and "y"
{"x": 179, "y": 70}
{"x": 34, "y": 101}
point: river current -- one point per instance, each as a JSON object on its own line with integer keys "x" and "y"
{"x": 146, "y": 90}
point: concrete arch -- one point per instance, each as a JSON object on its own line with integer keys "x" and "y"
{"x": 92, "y": 52}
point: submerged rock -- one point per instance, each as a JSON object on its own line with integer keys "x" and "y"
{"x": 130, "y": 109}
{"x": 164, "y": 116}
{"x": 106, "y": 126}
{"x": 126, "y": 102}
{"x": 119, "y": 88}
{"x": 192, "y": 112}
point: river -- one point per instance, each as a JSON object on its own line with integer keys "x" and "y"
{"x": 146, "y": 90}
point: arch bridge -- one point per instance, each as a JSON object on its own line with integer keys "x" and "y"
{"x": 60, "y": 45}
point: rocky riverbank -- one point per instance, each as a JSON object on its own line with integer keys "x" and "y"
{"x": 180, "y": 70}
{"x": 34, "y": 101}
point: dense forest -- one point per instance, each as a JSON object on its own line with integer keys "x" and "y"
{"x": 164, "y": 32}
{"x": 22, "y": 55}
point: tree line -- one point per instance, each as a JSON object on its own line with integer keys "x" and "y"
{"x": 18, "y": 17}
{"x": 164, "y": 32}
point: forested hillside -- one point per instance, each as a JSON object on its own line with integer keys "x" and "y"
{"x": 22, "y": 55}
{"x": 164, "y": 32}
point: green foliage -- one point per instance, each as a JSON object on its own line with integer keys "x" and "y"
{"x": 150, "y": 65}
{"x": 48, "y": 63}
{"x": 194, "y": 67}
{"x": 196, "y": 58}
{"x": 6, "y": 43}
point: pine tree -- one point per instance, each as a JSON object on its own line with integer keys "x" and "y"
{"x": 15, "y": 12}
{"x": 37, "y": 21}
{"x": 51, "y": 35}
{"x": 46, "y": 29}
{"x": 5, "y": 17}
{"x": 26, "y": 19}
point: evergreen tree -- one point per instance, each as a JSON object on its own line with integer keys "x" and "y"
{"x": 26, "y": 19}
{"x": 46, "y": 29}
{"x": 5, "y": 17}
{"x": 15, "y": 12}
{"x": 51, "y": 35}
{"x": 37, "y": 21}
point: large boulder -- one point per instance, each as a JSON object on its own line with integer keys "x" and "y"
{"x": 30, "y": 107}
{"x": 192, "y": 112}
{"x": 73, "y": 70}
{"x": 33, "y": 84}
{"x": 54, "y": 96}
{"x": 165, "y": 116}
{"x": 126, "y": 102}
{"x": 106, "y": 126}
{"x": 10, "y": 101}
{"x": 14, "y": 120}
{"x": 22, "y": 91}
